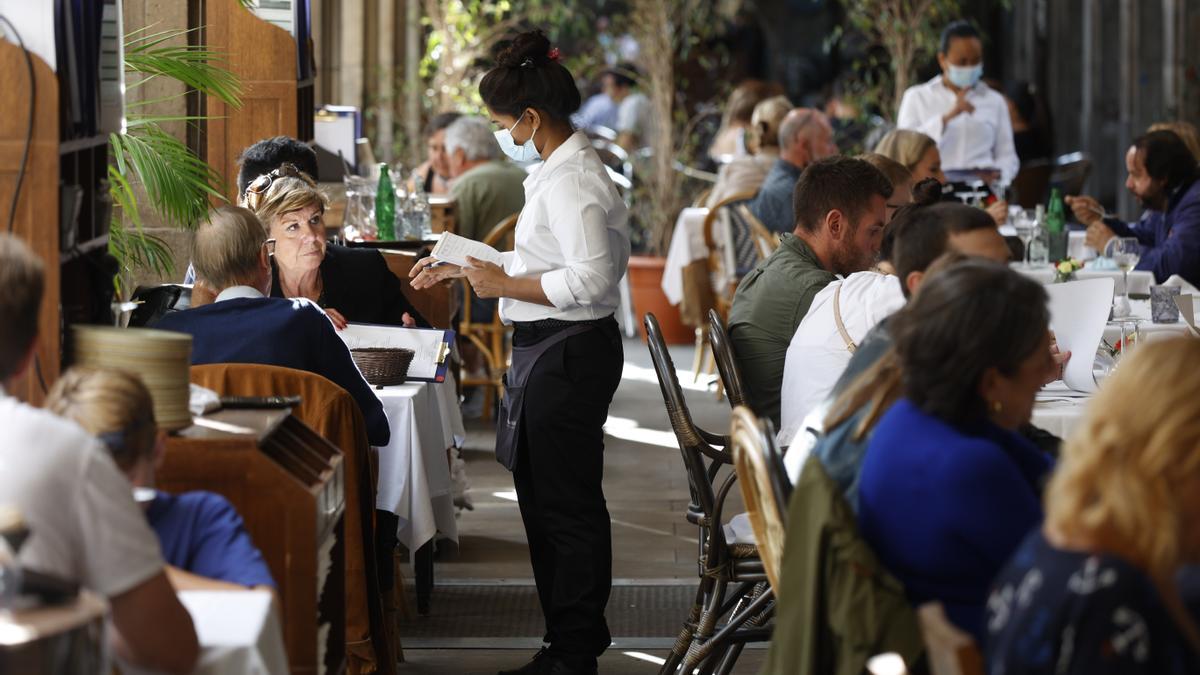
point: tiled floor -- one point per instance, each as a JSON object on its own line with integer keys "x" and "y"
{"x": 646, "y": 489}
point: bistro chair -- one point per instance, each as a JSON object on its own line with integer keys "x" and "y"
{"x": 731, "y": 374}
{"x": 765, "y": 485}
{"x": 950, "y": 650}
{"x": 729, "y": 247}
{"x": 1031, "y": 183}
{"x": 732, "y": 579}
{"x": 488, "y": 335}
{"x": 1071, "y": 171}
{"x": 765, "y": 240}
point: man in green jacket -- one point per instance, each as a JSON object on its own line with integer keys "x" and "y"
{"x": 841, "y": 209}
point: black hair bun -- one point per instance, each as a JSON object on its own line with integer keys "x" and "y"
{"x": 528, "y": 49}
{"x": 927, "y": 192}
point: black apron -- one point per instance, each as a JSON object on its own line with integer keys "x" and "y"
{"x": 512, "y": 405}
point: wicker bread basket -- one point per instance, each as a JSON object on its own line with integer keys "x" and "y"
{"x": 383, "y": 366}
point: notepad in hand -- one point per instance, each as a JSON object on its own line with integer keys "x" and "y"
{"x": 455, "y": 250}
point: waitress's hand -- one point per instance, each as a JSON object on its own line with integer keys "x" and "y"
{"x": 488, "y": 279}
{"x": 429, "y": 272}
{"x": 339, "y": 321}
{"x": 998, "y": 210}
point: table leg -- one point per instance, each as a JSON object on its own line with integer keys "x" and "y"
{"x": 423, "y": 566}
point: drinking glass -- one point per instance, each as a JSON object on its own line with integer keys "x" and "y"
{"x": 359, "y": 221}
{"x": 1125, "y": 252}
{"x": 1025, "y": 225}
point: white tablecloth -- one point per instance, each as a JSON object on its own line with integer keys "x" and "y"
{"x": 1140, "y": 281}
{"x": 1147, "y": 329}
{"x": 414, "y": 476}
{"x": 1059, "y": 417}
{"x": 687, "y": 246}
{"x": 239, "y": 633}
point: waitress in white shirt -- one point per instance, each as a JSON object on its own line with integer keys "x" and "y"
{"x": 558, "y": 289}
{"x": 968, "y": 119}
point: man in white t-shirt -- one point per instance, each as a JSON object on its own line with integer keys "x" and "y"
{"x": 84, "y": 524}
{"x": 842, "y": 314}
{"x": 635, "y": 115}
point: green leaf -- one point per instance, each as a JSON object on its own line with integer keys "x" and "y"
{"x": 196, "y": 66}
{"x": 178, "y": 183}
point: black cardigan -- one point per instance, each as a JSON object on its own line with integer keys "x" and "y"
{"x": 359, "y": 285}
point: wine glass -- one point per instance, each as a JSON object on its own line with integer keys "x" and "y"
{"x": 1025, "y": 227}
{"x": 1125, "y": 252}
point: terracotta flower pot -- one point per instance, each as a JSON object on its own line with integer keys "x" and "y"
{"x": 645, "y": 285}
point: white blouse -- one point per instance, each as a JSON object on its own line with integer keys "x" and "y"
{"x": 573, "y": 232}
{"x": 978, "y": 140}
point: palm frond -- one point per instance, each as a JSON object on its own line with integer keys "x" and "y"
{"x": 179, "y": 183}
{"x": 196, "y": 66}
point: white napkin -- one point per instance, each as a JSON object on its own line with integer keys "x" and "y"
{"x": 202, "y": 401}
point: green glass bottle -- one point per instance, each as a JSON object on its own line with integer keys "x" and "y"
{"x": 385, "y": 206}
{"x": 1056, "y": 226}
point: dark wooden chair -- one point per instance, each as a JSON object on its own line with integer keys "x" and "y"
{"x": 1031, "y": 183}
{"x": 1071, "y": 171}
{"x": 733, "y": 585}
{"x": 731, "y": 374}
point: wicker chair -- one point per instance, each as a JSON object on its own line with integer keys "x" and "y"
{"x": 765, "y": 485}
{"x": 491, "y": 338}
{"x": 731, "y": 374}
{"x": 732, "y": 580}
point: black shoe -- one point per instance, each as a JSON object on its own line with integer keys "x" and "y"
{"x": 558, "y": 666}
{"x": 535, "y": 666}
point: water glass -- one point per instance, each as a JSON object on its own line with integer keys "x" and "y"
{"x": 359, "y": 221}
{"x": 1125, "y": 252}
{"x": 1162, "y": 304}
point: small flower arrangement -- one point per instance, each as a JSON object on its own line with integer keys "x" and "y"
{"x": 1065, "y": 270}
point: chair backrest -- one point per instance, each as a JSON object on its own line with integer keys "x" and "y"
{"x": 731, "y": 374}
{"x": 950, "y": 650}
{"x": 1031, "y": 183}
{"x": 765, "y": 487}
{"x": 1071, "y": 171}
{"x": 500, "y": 237}
{"x": 722, "y": 258}
{"x": 695, "y": 444}
{"x": 765, "y": 240}
{"x": 330, "y": 411}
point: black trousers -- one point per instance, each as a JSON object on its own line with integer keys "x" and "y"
{"x": 558, "y": 475}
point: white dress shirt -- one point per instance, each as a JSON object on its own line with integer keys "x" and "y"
{"x": 978, "y": 140}
{"x": 239, "y": 292}
{"x": 84, "y": 524}
{"x": 818, "y": 354}
{"x": 573, "y": 232}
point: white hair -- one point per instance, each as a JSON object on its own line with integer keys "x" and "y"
{"x": 474, "y": 135}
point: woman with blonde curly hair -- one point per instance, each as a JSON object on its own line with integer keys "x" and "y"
{"x": 1094, "y": 589}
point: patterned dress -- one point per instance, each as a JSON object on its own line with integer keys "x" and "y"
{"x": 1054, "y": 612}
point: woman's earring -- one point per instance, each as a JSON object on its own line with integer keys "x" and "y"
{"x": 997, "y": 407}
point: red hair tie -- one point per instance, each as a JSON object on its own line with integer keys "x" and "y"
{"x": 553, "y": 54}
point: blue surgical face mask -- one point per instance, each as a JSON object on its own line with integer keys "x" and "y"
{"x": 965, "y": 77}
{"x": 527, "y": 152}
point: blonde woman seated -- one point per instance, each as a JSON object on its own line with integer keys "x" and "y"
{"x": 1093, "y": 590}
{"x": 201, "y": 535}
{"x": 920, "y": 155}
{"x": 746, "y": 173}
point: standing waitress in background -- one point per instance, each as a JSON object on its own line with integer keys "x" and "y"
{"x": 558, "y": 289}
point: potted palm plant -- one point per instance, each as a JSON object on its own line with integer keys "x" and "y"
{"x": 148, "y": 161}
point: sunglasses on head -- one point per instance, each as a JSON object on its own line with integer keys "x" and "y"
{"x": 259, "y": 186}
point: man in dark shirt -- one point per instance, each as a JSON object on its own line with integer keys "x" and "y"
{"x": 805, "y": 136}
{"x": 231, "y": 255}
{"x": 1166, "y": 181}
{"x": 840, "y": 206}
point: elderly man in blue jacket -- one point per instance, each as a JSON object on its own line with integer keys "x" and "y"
{"x": 231, "y": 253}
{"x": 1163, "y": 175}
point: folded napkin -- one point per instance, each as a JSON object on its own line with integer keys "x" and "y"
{"x": 202, "y": 401}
